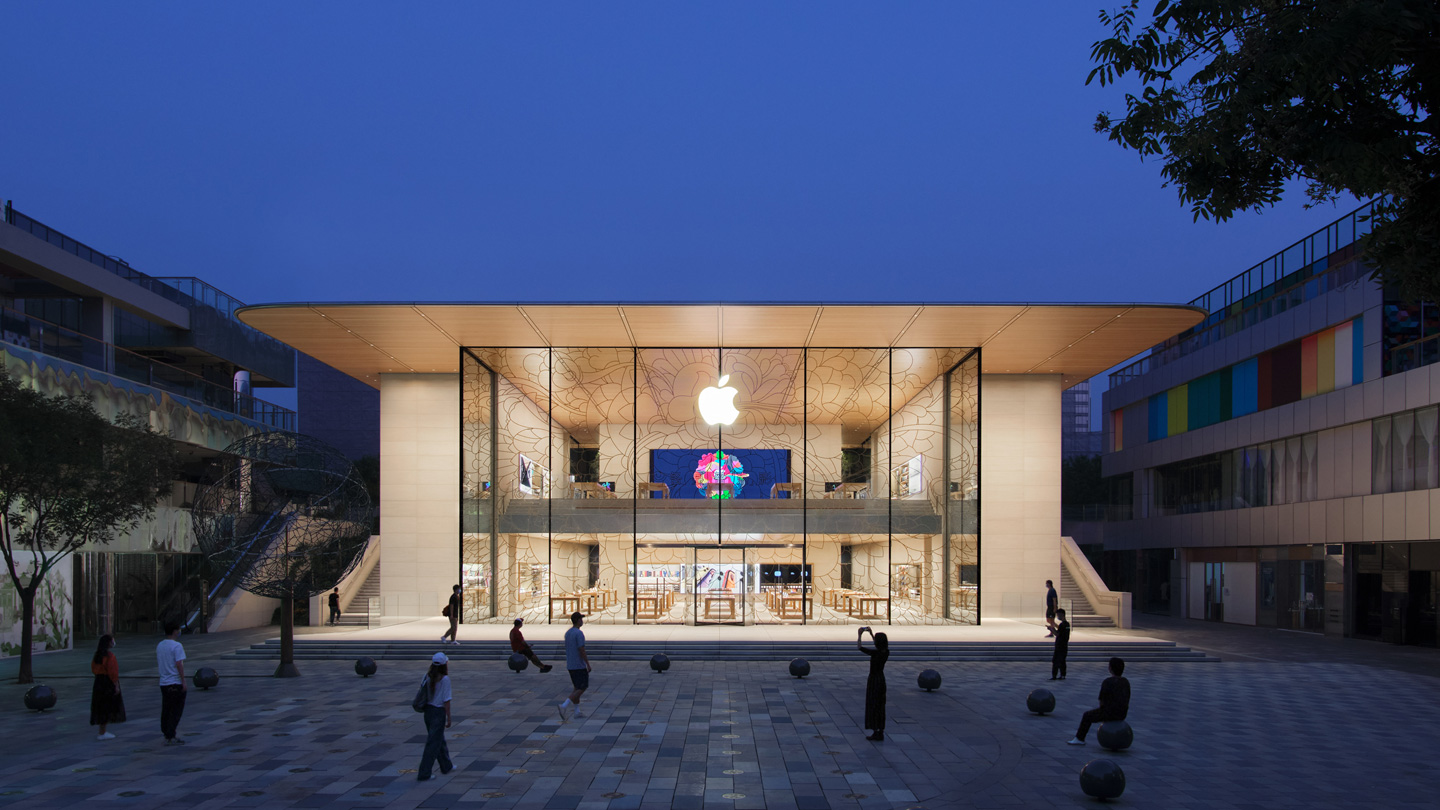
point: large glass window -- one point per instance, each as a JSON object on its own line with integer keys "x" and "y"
{"x": 1403, "y": 453}
{"x": 843, "y": 488}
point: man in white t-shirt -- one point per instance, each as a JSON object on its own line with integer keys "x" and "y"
{"x": 170, "y": 657}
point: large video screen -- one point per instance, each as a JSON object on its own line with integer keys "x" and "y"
{"x": 720, "y": 474}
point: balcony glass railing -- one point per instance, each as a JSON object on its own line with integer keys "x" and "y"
{"x": 36, "y": 335}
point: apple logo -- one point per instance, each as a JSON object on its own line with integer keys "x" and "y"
{"x": 717, "y": 405}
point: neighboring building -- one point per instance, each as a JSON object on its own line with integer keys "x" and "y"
{"x": 1077, "y": 438}
{"x": 1281, "y": 457}
{"x": 76, "y": 321}
{"x": 337, "y": 408}
{"x": 553, "y": 458}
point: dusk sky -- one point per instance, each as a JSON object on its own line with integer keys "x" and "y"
{"x": 831, "y": 152}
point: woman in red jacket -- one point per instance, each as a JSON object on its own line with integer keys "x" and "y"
{"x": 106, "y": 705}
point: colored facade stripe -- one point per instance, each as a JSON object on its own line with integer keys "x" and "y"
{"x": 1358, "y": 351}
{"x": 1325, "y": 362}
{"x": 1309, "y": 351}
{"x": 1285, "y": 379}
{"x": 1264, "y": 380}
{"x": 1178, "y": 409}
{"x": 1344, "y": 357}
{"x": 1117, "y": 429}
{"x": 1159, "y": 412}
{"x": 1245, "y": 387}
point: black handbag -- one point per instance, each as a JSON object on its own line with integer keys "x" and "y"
{"x": 422, "y": 697}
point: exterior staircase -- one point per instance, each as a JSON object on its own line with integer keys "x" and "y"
{"x": 355, "y": 613}
{"x": 1081, "y": 613}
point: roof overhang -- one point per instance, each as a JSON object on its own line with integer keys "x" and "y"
{"x": 366, "y": 340}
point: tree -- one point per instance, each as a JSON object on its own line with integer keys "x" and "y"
{"x": 69, "y": 478}
{"x": 1240, "y": 97}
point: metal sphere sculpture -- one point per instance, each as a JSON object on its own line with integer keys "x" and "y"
{"x": 799, "y": 667}
{"x": 1115, "y": 735}
{"x": 1040, "y": 701}
{"x": 1102, "y": 779}
{"x": 287, "y": 517}
{"x": 660, "y": 662}
{"x": 518, "y": 662}
{"x": 205, "y": 677}
{"x": 929, "y": 680}
{"x": 39, "y": 698}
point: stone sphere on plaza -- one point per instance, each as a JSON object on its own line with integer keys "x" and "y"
{"x": 1040, "y": 701}
{"x": 1102, "y": 779}
{"x": 518, "y": 662}
{"x": 659, "y": 662}
{"x": 40, "y": 698}
{"x": 1115, "y": 735}
{"x": 205, "y": 677}
{"x": 929, "y": 680}
{"x": 799, "y": 667}
{"x": 365, "y": 667}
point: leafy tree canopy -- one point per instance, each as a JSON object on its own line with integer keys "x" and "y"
{"x": 1238, "y": 97}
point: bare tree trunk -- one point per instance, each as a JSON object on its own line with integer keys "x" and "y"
{"x": 27, "y": 634}
{"x": 287, "y": 640}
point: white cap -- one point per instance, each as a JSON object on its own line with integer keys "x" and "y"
{"x": 439, "y": 658}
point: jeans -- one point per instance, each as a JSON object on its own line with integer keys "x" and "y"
{"x": 172, "y": 706}
{"x": 435, "y": 745}
{"x": 1095, "y": 716}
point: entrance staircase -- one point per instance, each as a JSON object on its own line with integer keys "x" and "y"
{"x": 1081, "y": 613}
{"x": 356, "y": 616}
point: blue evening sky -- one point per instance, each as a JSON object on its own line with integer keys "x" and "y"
{"x": 928, "y": 151}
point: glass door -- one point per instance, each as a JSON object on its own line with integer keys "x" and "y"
{"x": 661, "y": 584}
{"x": 721, "y": 585}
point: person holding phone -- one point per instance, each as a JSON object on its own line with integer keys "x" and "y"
{"x": 875, "y": 684}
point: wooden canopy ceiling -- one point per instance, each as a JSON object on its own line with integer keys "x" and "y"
{"x": 1074, "y": 340}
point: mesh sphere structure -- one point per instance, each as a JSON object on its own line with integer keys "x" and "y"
{"x": 286, "y": 516}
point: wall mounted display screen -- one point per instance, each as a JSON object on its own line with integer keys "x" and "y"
{"x": 720, "y": 474}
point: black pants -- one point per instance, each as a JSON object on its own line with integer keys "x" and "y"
{"x": 172, "y": 706}
{"x": 334, "y": 614}
{"x": 435, "y": 747}
{"x": 528, "y": 652}
{"x": 454, "y": 627}
{"x": 1057, "y": 666}
{"x": 1093, "y": 716}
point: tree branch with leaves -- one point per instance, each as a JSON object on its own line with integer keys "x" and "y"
{"x": 69, "y": 478}
{"x": 1240, "y": 97}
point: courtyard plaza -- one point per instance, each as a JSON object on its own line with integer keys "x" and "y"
{"x": 1279, "y": 720}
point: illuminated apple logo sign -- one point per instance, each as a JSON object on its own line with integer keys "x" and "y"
{"x": 717, "y": 405}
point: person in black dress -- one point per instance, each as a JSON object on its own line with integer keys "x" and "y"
{"x": 875, "y": 684}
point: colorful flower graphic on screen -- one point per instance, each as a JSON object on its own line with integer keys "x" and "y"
{"x": 719, "y": 469}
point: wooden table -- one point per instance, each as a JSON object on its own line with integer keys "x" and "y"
{"x": 793, "y": 606}
{"x": 874, "y": 603}
{"x": 715, "y": 606}
{"x": 647, "y": 607}
{"x": 848, "y": 490}
{"x": 963, "y": 597}
{"x": 565, "y": 600}
{"x": 649, "y": 487}
{"x": 793, "y": 490}
{"x": 590, "y": 489}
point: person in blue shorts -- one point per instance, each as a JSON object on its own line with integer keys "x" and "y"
{"x": 578, "y": 663}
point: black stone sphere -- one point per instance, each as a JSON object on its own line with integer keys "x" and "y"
{"x": 1115, "y": 735}
{"x": 40, "y": 698}
{"x": 365, "y": 667}
{"x": 799, "y": 667}
{"x": 1102, "y": 779}
{"x": 518, "y": 662}
{"x": 659, "y": 662}
{"x": 929, "y": 680}
{"x": 1040, "y": 701}
{"x": 205, "y": 677}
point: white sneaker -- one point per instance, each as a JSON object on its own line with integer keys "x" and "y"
{"x": 578, "y": 715}
{"x": 444, "y": 639}
{"x": 1074, "y": 741}
{"x": 106, "y": 736}
{"x": 564, "y": 713}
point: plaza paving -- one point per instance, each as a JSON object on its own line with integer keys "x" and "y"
{"x": 1337, "y": 728}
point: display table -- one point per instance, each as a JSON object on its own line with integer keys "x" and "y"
{"x": 720, "y": 607}
{"x": 565, "y": 601}
{"x": 648, "y": 607}
{"x": 870, "y": 607}
{"x": 791, "y": 490}
{"x": 850, "y": 490}
{"x": 590, "y": 489}
{"x": 794, "y": 606}
{"x": 647, "y": 487}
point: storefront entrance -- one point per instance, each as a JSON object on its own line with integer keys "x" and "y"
{"x": 720, "y": 585}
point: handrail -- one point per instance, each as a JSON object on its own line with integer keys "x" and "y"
{"x": 1113, "y": 604}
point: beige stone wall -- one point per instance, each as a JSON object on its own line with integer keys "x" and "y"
{"x": 1019, "y": 492}
{"x": 419, "y": 487}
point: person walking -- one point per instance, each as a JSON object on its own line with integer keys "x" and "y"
{"x": 875, "y": 684}
{"x": 452, "y": 610}
{"x": 1114, "y": 701}
{"x": 106, "y": 705}
{"x": 170, "y": 658}
{"x": 519, "y": 645}
{"x": 1062, "y": 646}
{"x": 1052, "y": 603}
{"x": 578, "y": 663}
{"x": 437, "y": 718}
{"x": 335, "y": 606}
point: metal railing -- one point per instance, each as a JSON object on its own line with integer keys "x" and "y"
{"x": 31, "y": 333}
{"x": 1323, "y": 261}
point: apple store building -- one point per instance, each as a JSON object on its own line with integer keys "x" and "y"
{"x": 717, "y": 463}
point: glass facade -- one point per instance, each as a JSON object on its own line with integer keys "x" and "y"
{"x": 845, "y": 491}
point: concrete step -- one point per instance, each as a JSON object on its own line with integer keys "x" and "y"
{"x": 499, "y": 651}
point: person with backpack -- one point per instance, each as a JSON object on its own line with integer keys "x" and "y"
{"x": 452, "y": 612}
{"x": 434, "y": 700}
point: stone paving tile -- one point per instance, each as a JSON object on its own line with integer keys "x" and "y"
{"x": 738, "y": 736}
